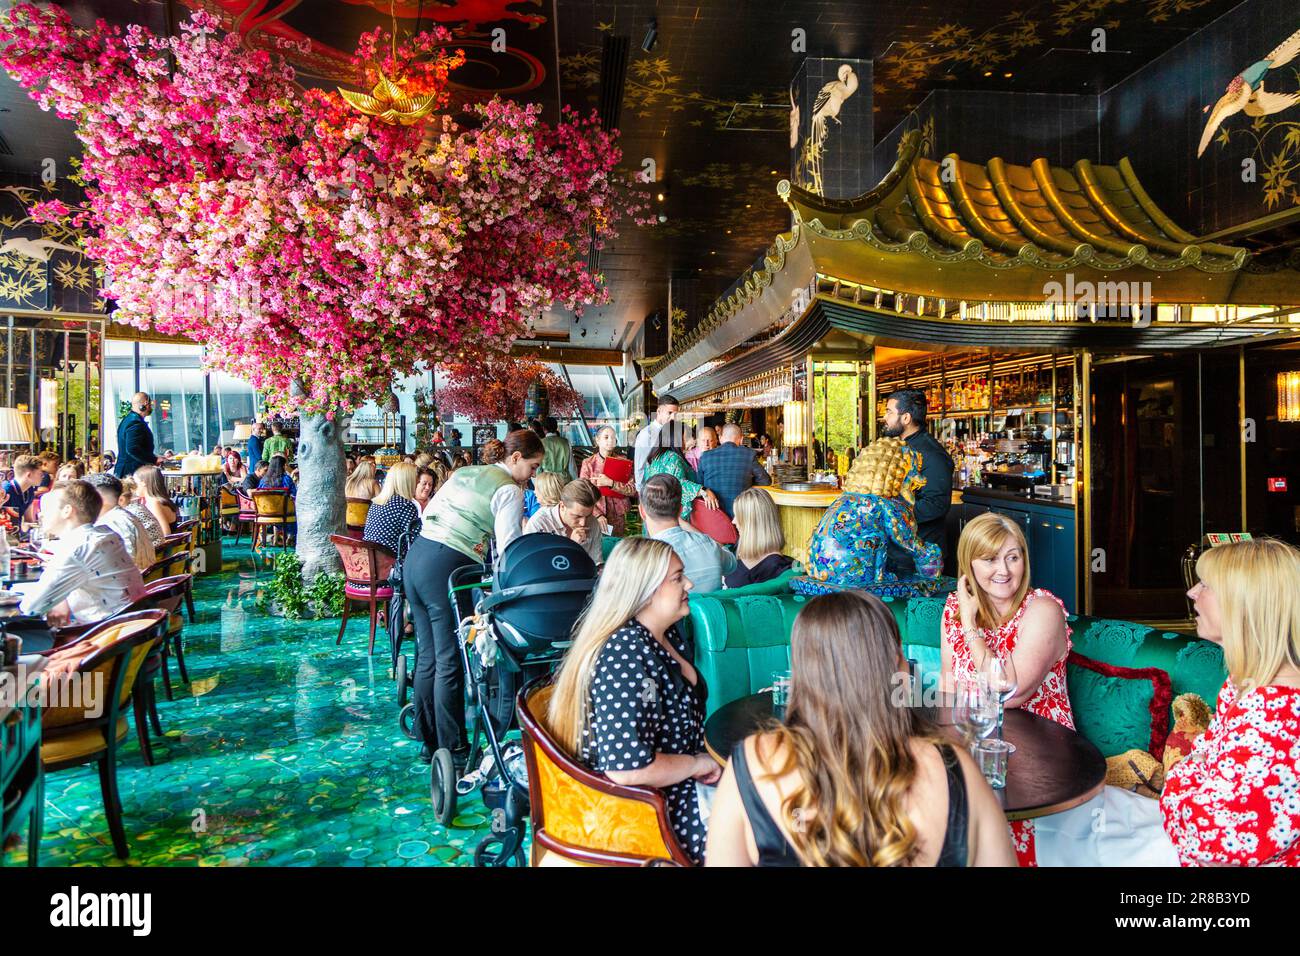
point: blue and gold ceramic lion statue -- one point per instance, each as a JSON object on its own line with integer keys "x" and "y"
{"x": 850, "y": 546}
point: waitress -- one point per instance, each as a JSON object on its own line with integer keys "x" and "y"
{"x": 476, "y": 504}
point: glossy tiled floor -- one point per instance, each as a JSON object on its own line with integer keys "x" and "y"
{"x": 283, "y": 751}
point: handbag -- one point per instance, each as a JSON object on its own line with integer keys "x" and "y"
{"x": 619, "y": 470}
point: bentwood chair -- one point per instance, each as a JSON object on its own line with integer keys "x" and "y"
{"x": 713, "y": 522}
{"x": 582, "y": 818}
{"x": 274, "y": 510}
{"x": 229, "y": 504}
{"x": 166, "y": 594}
{"x": 357, "y": 512}
{"x": 98, "y": 672}
{"x": 366, "y": 566}
{"x": 177, "y": 552}
{"x": 247, "y": 514}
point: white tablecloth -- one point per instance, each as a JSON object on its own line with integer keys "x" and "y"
{"x": 1114, "y": 828}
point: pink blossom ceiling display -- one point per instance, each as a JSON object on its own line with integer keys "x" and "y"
{"x": 315, "y": 251}
{"x": 281, "y": 26}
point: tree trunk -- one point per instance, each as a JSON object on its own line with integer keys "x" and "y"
{"x": 321, "y": 502}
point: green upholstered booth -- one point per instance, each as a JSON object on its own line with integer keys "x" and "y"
{"x": 742, "y": 636}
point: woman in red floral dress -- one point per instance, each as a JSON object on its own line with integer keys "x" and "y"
{"x": 994, "y": 611}
{"x": 1235, "y": 799}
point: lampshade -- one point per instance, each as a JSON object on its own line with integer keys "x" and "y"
{"x": 1288, "y": 396}
{"x": 15, "y": 427}
{"x": 795, "y": 431}
{"x": 243, "y": 431}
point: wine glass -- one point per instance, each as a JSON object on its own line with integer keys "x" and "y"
{"x": 999, "y": 673}
{"x": 974, "y": 709}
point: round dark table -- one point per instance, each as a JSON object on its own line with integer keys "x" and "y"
{"x": 1053, "y": 768}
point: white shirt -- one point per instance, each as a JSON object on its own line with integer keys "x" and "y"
{"x": 92, "y": 571}
{"x": 549, "y": 520}
{"x": 133, "y": 534}
{"x": 646, "y": 439}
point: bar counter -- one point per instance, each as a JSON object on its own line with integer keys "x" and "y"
{"x": 800, "y": 513}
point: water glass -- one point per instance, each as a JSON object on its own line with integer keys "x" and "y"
{"x": 991, "y": 756}
{"x": 780, "y": 693}
{"x": 975, "y": 709}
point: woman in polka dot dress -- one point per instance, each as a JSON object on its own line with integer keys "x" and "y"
{"x": 628, "y": 701}
{"x": 1235, "y": 799}
{"x": 994, "y": 611}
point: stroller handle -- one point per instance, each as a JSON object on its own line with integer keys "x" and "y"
{"x": 533, "y": 590}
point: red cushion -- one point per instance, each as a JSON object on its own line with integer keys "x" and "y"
{"x": 713, "y": 522}
{"x": 353, "y": 589}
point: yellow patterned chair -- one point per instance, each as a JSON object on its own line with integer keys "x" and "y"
{"x": 90, "y": 729}
{"x": 582, "y": 818}
{"x": 358, "y": 511}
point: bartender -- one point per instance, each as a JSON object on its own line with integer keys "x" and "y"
{"x": 905, "y": 413}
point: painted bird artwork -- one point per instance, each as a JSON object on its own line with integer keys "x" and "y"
{"x": 1246, "y": 92}
{"x": 830, "y": 100}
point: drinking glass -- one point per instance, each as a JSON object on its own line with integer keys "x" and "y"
{"x": 35, "y": 537}
{"x": 999, "y": 672}
{"x": 991, "y": 756}
{"x": 974, "y": 709}
{"x": 780, "y": 693}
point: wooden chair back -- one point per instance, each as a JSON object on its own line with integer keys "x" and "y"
{"x": 364, "y": 562}
{"x": 581, "y": 817}
{"x": 120, "y": 646}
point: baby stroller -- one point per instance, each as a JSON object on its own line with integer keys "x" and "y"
{"x": 524, "y": 623}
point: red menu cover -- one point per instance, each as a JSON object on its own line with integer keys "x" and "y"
{"x": 617, "y": 469}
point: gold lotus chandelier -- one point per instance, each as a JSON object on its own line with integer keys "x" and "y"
{"x": 388, "y": 102}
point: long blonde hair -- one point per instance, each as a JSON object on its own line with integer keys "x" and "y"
{"x": 361, "y": 482}
{"x": 759, "y": 525}
{"x": 400, "y": 480}
{"x": 984, "y": 537}
{"x": 1257, "y": 586}
{"x": 847, "y": 738}
{"x": 635, "y": 570}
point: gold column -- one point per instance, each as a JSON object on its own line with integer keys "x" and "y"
{"x": 1083, "y": 480}
{"x": 1241, "y": 424}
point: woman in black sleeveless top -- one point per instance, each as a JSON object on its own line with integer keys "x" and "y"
{"x": 854, "y": 777}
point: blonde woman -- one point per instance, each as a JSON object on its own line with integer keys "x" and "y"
{"x": 153, "y": 498}
{"x": 851, "y": 778}
{"x": 628, "y": 702}
{"x": 362, "y": 483}
{"x": 1233, "y": 801}
{"x": 758, "y": 551}
{"x": 422, "y": 460}
{"x": 393, "y": 512}
{"x": 994, "y": 611}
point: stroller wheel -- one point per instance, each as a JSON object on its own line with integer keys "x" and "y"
{"x": 406, "y": 720}
{"x": 492, "y": 851}
{"x": 442, "y": 786}
{"x": 403, "y": 682}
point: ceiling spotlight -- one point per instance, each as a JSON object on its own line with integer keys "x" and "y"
{"x": 663, "y": 218}
{"x": 660, "y": 196}
{"x": 988, "y": 72}
{"x": 1006, "y": 76}
{"x": 651, "y": 35}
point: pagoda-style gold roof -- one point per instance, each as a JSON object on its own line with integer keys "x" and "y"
{"x": 1002, "y": 232}
{"x": 952, "y": 252}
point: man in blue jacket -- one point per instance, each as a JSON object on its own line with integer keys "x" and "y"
{"x": 134, "y": 437}
{"x": 731, "y": 468}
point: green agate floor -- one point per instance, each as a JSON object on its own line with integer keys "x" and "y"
{"x": 284, "y": 750}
